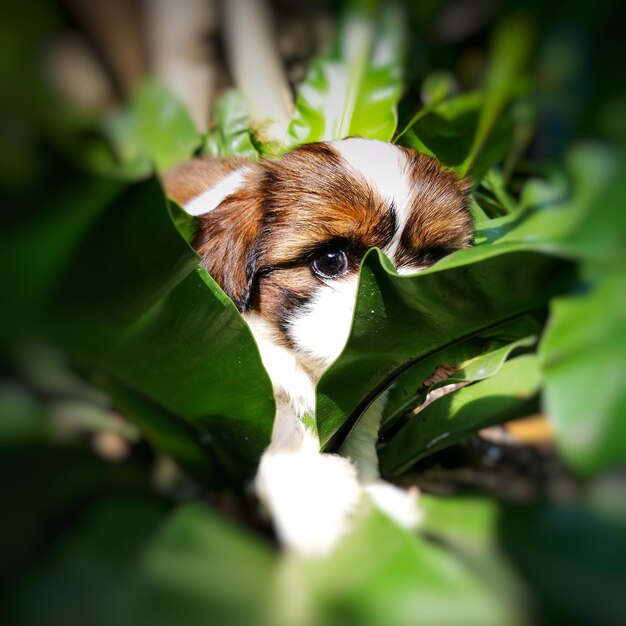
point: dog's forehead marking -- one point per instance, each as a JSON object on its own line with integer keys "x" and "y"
{"x": 383, "y": 166}
{"x": 208, "y": 200}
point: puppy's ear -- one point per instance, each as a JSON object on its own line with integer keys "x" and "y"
{"x": 200, "y": 176}
{"x": 229, "y": 239}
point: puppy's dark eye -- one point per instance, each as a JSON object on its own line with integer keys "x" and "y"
{"x": 429, "y": 256}
{"x": 330, "y": 263}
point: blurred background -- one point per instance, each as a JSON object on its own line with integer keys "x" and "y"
{"x": 118, "y": 520}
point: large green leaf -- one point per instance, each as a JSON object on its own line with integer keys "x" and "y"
{"x": 355, "y": 89}
{"x": 409, "y": 390}
{"x": 383, "y": 575}
{"x": 35, "y": 244}
{"x": 85, "y": 575}
{"x": 468, "y": 525}
{"x": 181, "y": 340}
{"x": 201, "y": 569}
{"x": 585, "y": 391}
{"x": 573, "y": 556}
{"x": 402, "y": 319}
{"x": 506, "y": 395}
{"x": 130, "y": 299}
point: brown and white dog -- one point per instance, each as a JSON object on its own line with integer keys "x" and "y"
{"x": 284, "y": 239}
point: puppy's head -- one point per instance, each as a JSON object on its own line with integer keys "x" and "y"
{"x": 285, "y": 238}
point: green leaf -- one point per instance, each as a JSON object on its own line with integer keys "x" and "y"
{"x": 231, "y": 135}
{"x": 485, "y": 365}
{"x": 468, "y": 526}
{"x": 585, "y": 390}
{"x": 572, "y": 557}
{"x": 163, "y": 126}
{"x": 200, "y": 566}
{"x": 23, "y": 417}
{"x": 382, "y": 575}
{"x": 494, "y": 182}
{"x": 132, "y": 302}
{"x": 36, "y": 246}
{"x": 105, "y": 274}
{"x": 446, "y": 130}
{"x": 508, "y": 394}
{"x": 579, "y": 219}
{"x": 170, "y": 435}
{"x": 437, "y": 87}
{"x": 400, "y": 320}
{"x": 409, "y": 391}
{"x": 511, "y": 47}
{"x": 355, "y": 89}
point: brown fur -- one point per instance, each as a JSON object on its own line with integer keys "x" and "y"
{"x": 259, "y": 242}
{"x": 196, "y": 176}
{"x": 439, "y": 210}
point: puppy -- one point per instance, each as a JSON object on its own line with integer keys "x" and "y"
{"x": 284, "y": 239}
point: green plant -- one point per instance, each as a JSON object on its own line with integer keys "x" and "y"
{"x": 533, "y": 317}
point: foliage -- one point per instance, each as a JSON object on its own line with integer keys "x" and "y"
{"x": 354, "y": 90}
{"x": 96, "y": 263}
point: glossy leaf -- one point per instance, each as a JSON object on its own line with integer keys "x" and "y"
{"x": 485, "y": 365}
{"x": 383, "y": 575}
{"x": 409, "y": 390}
{"x": 400, "y": 320}
{"x": 231, "y": 135}
{"x": 131, "y": 301}
{"x": 506, "y": 395}
{"x": 585, "y": 391}
{"x": 446, "y": 130}
{"x": 355, "y": 89}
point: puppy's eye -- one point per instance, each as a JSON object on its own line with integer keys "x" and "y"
{"x": 430, "y": 256}
{"x": 330, "y": 264}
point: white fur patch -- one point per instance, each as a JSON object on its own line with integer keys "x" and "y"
{"x": 401, "y": 505}
{"x": 213, "y": 197}
{"x": 294, "y": 387}
{"x": 383, "y": 166}
{"x": 320, "y": 329}
{"x": 311, "y": 495}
